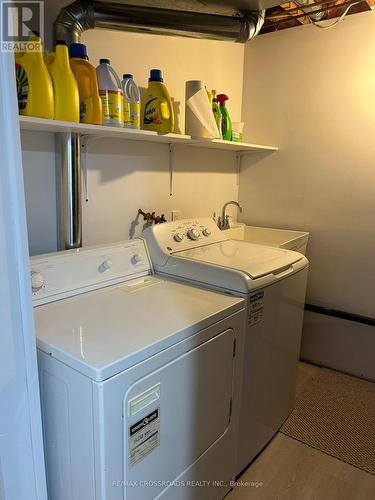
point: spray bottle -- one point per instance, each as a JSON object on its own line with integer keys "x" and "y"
{"x": 226, "y": 122}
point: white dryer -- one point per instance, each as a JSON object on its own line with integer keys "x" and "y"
{"x": 139, "y": 378}
{"x": 273, "y": 283}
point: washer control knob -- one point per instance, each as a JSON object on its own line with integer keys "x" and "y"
{"x": 193, "y": 234}
{"x": 107, "y": 264}
{"x": 178, "y": 237}
{"x": 206, "y": 232}
{"x": 137, "y": 258}
{"x": 37, "y": 281}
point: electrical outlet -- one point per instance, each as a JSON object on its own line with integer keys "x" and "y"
{"x": 176, "y": 215}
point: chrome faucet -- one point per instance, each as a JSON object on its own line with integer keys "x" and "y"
{"x": 223, "y": 221}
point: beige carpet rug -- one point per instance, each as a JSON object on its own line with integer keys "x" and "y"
{"x": 336, "y": 415}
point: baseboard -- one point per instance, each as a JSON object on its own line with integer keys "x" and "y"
{"x": 337, "y": 343}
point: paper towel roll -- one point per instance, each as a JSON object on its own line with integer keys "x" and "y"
{"x": 199, "y": 119}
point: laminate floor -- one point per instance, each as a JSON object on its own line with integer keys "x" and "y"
{"x": 290, "y": 470}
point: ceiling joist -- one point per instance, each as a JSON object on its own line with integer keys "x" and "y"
{"x": 291, "y": 14}
{"x": 294, "y": 8}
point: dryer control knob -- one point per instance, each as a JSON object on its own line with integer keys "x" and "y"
{"x": 178, "y": 237}
{"x": 107, "y": 264}
{"x": 37, "y": 281}
{"x": 193, "y": 234}
{"x": 206, "y": 232}
{"x": 136, "y": 258}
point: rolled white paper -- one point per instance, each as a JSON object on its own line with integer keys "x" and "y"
{"x": 199, "y": 119}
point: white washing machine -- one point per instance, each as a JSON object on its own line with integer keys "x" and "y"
{"x": 139, "y": 378}
{"x": 273, "y": 283}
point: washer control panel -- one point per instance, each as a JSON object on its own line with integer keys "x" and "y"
{"x": 183, "y": 234}
{"x": 58, "y": 275}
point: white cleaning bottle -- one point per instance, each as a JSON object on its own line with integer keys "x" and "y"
{"x": 110, "y": 93}
{"x": 132, "y": 102}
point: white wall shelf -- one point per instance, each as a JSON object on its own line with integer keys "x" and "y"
{"x": 237, "y": 147}
{"x": 43, "y": 125}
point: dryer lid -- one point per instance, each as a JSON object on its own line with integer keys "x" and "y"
{"x": 106, "y": 331}
{"x": 250, "y": 258}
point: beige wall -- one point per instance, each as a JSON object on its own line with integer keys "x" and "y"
{"x": 124, "y": 176}
{"x": 219, "y": 64}
{"x": 312, "y": 92}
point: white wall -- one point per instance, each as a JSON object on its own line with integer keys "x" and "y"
{"x": 312, "y": 92}
{"x": 124, "y": 176}
{"x": 38, "y": 151}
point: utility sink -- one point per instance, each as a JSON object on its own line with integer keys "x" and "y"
{"x": 282, "y": 238}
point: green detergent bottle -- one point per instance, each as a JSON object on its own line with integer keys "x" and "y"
{"x": 226, "y": 123}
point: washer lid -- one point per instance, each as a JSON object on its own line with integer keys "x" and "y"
{"x": 250, "y": 258}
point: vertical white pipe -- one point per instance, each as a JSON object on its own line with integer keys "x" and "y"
{"x": 69, "y": 202}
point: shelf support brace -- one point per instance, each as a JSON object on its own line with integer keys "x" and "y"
{"x": 84, "y": 167}
{"x": 170, "y": 154}
{"x": 238, "y": 166}
{"x": 69, "y": 201}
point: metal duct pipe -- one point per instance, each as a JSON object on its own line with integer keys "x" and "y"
{"x": 83, "y": 15}
{"x": 69, "y": 197}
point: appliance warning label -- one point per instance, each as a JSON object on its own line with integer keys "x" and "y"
{"x": 143, "y": 437}
{"x": 256, "y": 308}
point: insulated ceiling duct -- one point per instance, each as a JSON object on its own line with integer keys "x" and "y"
{"x": 310, "y": 8}
{"x": 231, "y": 20}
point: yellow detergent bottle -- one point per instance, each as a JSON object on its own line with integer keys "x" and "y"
{"x": 90, "y": 104}
{"x": 158, "y": 111}
{"x": 34, "y": 85}
{"x": 64, "y": 84}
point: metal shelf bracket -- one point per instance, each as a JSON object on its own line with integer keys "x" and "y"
{"x": 170, "y": 167}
